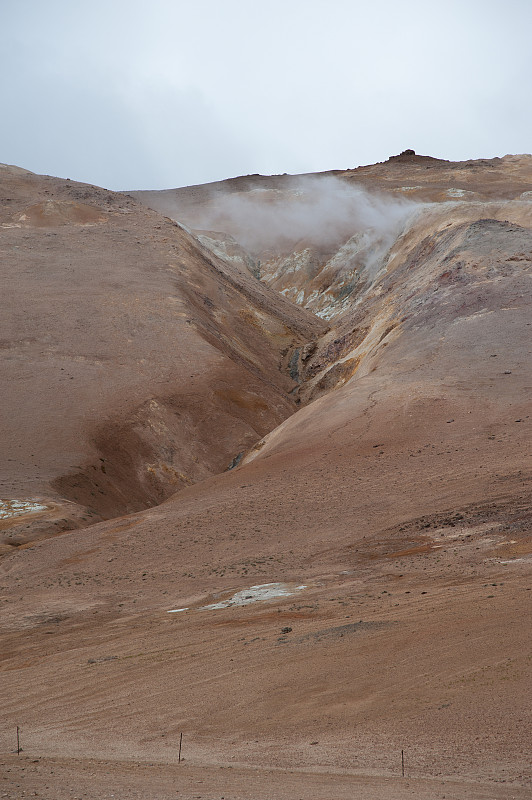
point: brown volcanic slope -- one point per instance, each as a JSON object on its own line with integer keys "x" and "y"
{"x": 133, "y": 361}
{"x": 394, "y": 506}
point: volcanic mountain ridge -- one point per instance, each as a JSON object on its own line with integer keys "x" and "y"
{"x": 357, "y": 583}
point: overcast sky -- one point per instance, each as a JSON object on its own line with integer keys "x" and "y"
{"x": 133, "y": 94}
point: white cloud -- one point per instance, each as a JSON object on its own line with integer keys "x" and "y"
{"x": 130, "y": 94}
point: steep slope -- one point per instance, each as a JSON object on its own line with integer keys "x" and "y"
{"x": 134, "y": 362}
{"x": 389, "y": 517}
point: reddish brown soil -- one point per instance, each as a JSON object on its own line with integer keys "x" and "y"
{"x": 125, "y": 345}
{"x": 400, "y": 499}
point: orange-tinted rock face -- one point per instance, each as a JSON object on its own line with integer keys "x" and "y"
{"x": 50, "y": 214}
{"x": 358, "y": 583}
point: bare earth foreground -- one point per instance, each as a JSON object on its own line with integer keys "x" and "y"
{"x": 288, "y": 518}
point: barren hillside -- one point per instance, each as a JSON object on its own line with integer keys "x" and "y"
{"x": 358, "y": 583}
{"x": 134, "y": 361}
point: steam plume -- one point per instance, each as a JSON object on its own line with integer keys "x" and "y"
{"x": 320, "y": 211}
